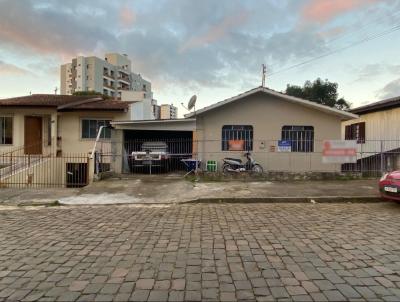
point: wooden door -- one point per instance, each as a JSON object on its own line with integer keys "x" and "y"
{"x": 33, "y": 135}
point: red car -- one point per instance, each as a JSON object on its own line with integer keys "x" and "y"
{"x": 389, "y": 185}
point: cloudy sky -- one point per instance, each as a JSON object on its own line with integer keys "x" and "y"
{"x": 212, "y": 48}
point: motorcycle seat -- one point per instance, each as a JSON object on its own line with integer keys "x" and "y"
{"x": 233, "y": 159}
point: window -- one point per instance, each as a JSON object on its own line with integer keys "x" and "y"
{"x": 300, "y": 137}
{"x": 6, "y": 130}
{"x": 90, "y": 128}
{"x": 237, "y": 138}
{"x": 355, "y": 132}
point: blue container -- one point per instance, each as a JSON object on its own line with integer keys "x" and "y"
{"x": 191, "y": 164}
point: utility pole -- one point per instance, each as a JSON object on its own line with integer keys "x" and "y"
{"x": 264, "y": 70}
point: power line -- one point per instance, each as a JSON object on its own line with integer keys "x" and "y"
{"x": 362, "y": 28}
{"x": 371, "y": 37}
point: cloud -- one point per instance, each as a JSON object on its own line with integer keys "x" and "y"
{"x": 11, "y": 70}
{"x": 216, "y": 32}
{"x": 323, "y": 11}
{"x": 372, "y": 71}
{"x": 27, "y": 26}
{"x": 391, "y": 89}
{"x": 127, "y": 16}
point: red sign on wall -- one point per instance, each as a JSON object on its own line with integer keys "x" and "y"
{"x": 339, "y": 151}
{"x": 236, "y": 145}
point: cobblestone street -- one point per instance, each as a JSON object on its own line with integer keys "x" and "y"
{"x": 224, "y": 252}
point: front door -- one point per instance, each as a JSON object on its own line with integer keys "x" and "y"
{"x": 33, "y": 135}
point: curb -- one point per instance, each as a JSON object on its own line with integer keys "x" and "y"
{"x": 320, "y": 199}
{"x": 286, "y": 199}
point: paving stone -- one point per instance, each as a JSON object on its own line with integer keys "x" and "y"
{"x": 201, "y": 251}
{"x": 69, "y": 296}
{"x": 178, "y": 284}
{"x": 279, "y": 292}
{"x": 209, "y": 293}
{"x": 176, "y": 296}
{"x": 262, "y": 291}
{"x": 192, "y": 295}
{"x": 348, "y": 291}
{"x": 242, "y": 285}
{"x": 334, "y": 295}
{"x": 295, "y": 290}
{"x": 309, "y": 286}
{"x": 93, "y": 288}
{"x": 33, "y": 296}
{"x": 245, "y": 295}
{"x": 86, "y": 298}
{"x": 103, "y": 298}
{"x": 140, "y": 295}
{"x": 77, "y": 286}
{"x": 122, "y": 297}
{"x": 227, "y": 296}
{"x": 158, "y": 295}
{"x": 145, "y": 283}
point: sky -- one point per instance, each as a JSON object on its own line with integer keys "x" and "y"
{"x": 211, "y": 48}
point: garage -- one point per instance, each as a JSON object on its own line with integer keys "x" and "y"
{"x": 157, "y": 146}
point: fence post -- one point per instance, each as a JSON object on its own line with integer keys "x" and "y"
{"x": 382, "y": 168}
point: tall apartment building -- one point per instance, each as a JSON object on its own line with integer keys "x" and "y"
{"x": 110, "y": 76}
{"x": 168, "y": 112}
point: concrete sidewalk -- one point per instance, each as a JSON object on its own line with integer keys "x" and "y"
{"x": 172, "y": 189}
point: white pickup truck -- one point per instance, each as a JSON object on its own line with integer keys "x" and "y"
{"x": 152, "y": 154}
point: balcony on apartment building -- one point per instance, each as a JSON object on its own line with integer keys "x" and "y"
{"x": 123, "y": 87}
{"x": 123, "y": 70}
{"x": 124, "y": 79}
{"x": 109, "y": 85}
{"x": 109, "y": 75}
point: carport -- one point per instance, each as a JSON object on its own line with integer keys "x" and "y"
{"x": 166, "y": 141}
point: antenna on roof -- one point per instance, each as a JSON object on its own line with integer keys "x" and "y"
{"x": 264, "y": 70}
{"x": 55, "y": 90}
{"x": 191, "y": 104}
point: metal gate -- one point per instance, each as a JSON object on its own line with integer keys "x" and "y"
{"x": 18, "y": 170}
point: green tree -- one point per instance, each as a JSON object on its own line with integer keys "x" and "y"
{"x": 91, "y": 92}
{"x": 319, "y": 91}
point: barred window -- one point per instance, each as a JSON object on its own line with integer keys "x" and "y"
{"x": 301, "y": 138}
{"x": 90, "y": 127}
{"x": 6, "y": 130}
{"x": 355, "y": 132}
{"x": 237, "y": 138}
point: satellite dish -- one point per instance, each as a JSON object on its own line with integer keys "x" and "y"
{"x": 192, "y": 102}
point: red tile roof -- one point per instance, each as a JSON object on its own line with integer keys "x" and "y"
{"x": 65, "y": 102}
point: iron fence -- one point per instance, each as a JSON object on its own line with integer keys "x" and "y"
{"x": 302, "y": 154}
{"x": 42, "y": 165}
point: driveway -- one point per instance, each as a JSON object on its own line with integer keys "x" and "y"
{"x": 227, "y": 252}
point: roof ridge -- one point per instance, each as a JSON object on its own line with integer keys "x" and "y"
{"x": 80, "y": 102}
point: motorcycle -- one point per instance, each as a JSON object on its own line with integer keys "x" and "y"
{"x": 236, "y": 165}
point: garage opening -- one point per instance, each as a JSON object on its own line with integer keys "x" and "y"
{"x": 153, "y": 152}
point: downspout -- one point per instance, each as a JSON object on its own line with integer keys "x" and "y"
{"x": 97, "y": 139}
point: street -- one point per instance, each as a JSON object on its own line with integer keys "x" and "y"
{"x": 226, "y": 252}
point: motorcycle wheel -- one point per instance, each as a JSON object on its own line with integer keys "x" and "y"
{"x": 257, "y": 169}
{"x": 225, "y": 168}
